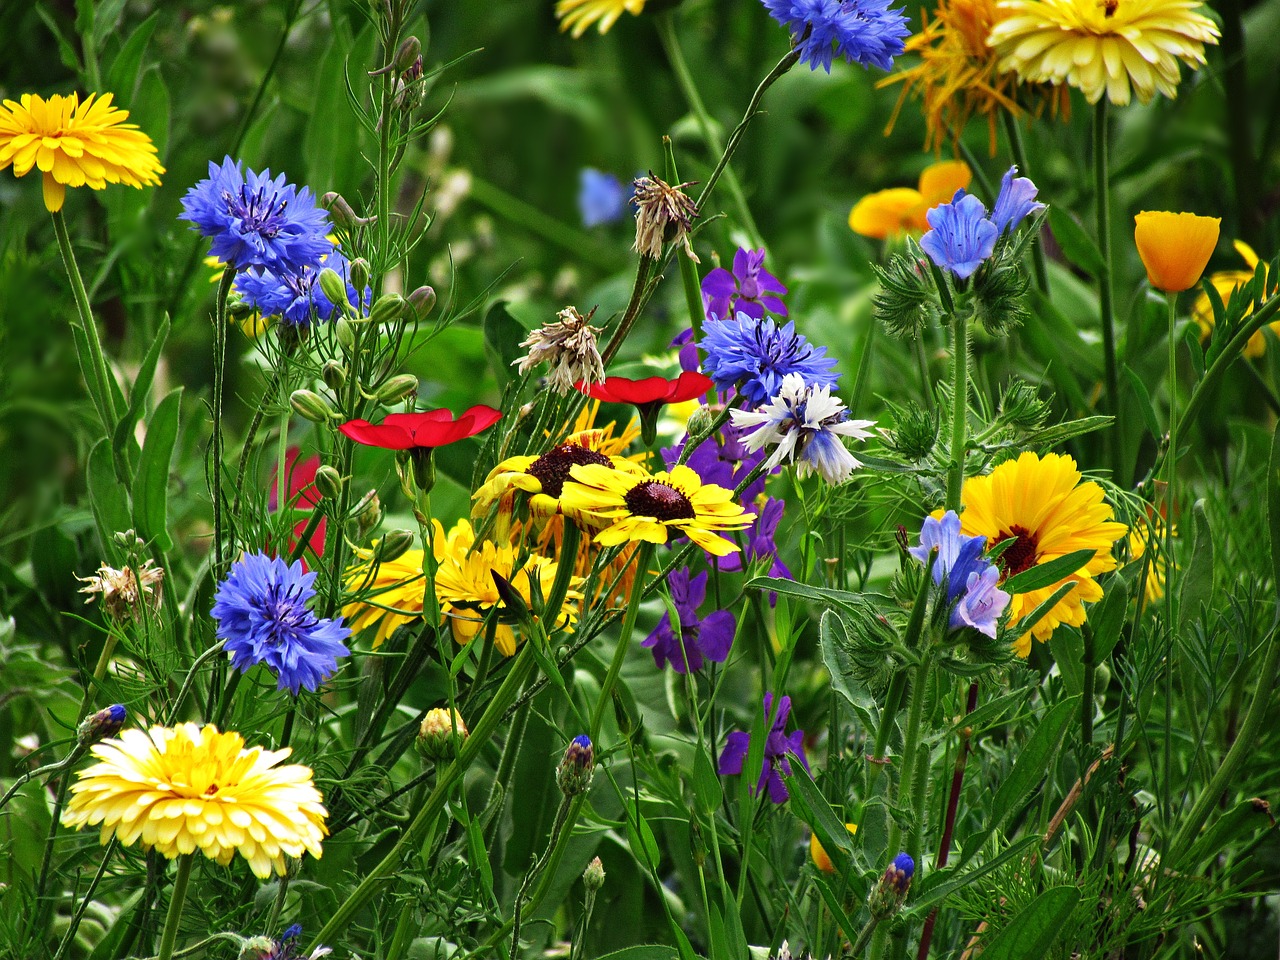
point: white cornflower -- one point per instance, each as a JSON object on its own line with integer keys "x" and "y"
{"x": 806, "y": 423}
{"x": 568, "y": 347}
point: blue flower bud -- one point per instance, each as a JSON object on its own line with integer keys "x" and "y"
{"x": 890, "y": 891}
{"x": 105, "y": 723}
{"x": 577, "y": 768}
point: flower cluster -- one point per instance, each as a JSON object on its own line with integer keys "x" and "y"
{"x": 693, "y": 639}
{"x": 963, "y": 236}
{"x": 749, "y": 289}
{"x": 973, "y": 597}
{"x": 779, "y": 748}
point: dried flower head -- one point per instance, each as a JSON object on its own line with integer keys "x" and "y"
{"x": 663, "y": 214}
{"x": 125, "y": 593}
{"x": 568, "y": 347}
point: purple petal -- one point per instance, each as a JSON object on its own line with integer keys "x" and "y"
{"x": 715, "y": 636}
{"x": 734, "y": 753}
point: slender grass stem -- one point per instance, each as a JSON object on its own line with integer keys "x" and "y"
{"x": 643, "y": 557}
{"x": 1102, "y": 200}
{"x": 1019, "y": 151}
{"x": 219, "y": 371}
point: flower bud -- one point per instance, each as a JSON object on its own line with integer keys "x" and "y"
{"x": 577, "y": 767}
{"x": 329, "y": 482}
{"x": 397, "y": 388}
{"x": 346, "y": 334}
{"x": 360, "y": 271}
{"x": 334, "y": 288}
{"x": 441, "y": 734}
{"x": 310, "y": 406}
{"x": 891, "y": 889}
{"x": 389, "y": 308}
{"x": 340, "y": 212}
{"x": 700, "y": 421}
{"x": 105, "y": 723}
{"x": 334, "y": 375}
{"x": 409, "y": 51}
{"x": 393, "y": 545}
{"x": 423, "y": 301}
{"x": 593, "y": 876}
{"x": 367, "y": 513}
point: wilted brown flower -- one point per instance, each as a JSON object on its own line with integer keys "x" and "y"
{"x": 124, "y": 593}
{"x": 663, "y": 214}
{"x": 568, "y": 347}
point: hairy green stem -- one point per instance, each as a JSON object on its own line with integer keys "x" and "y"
{"x": 1102, "y": 200}
{"x": 959, "y": 407}
{"x": 643, "y": 556}
{"x": 219, "y": 371}
{"x": 176, "y": 902}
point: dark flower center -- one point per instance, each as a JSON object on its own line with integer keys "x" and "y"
{"x": 660, "y": 501}
{"x": 257, "y": 212}
{"x": 552, "y": 468}
{"x": 1019, "y": 556}
{"x": 285, "y": 614}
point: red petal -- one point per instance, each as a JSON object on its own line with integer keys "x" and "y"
{"x": 386, "y": 436}
{"x": 626, "y": 390}
{"x": 688, "y": 385}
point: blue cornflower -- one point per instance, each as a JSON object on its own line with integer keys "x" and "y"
{"x": 778, "y": 747}
{"x": 262, "y": 614}
{"x": 755, "y": 355}
{"x": 961, "y": 237}
{"x": 861, "y": 31}
{"x": 292, "y": 296}
{"x": 601, "y": 197}
{"x": 973, "y": 596}
{"x": 1016, "y": 200}
{"x": 705, "y": 638}
{"x": 255, "y": 221}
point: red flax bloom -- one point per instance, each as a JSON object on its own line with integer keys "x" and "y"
{"x": 420, "y": 433}
{"x": 649, "y": 395}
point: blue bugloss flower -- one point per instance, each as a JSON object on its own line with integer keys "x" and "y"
{"x": 255, "y": 221}
{"x": 973, "y": 595}
{"x": 293, "y": 296}
{"x": 699, "y": 639}
{"x": 601, "y": 197}
{"x": 262, "y": 614}
{"x": 962, "y": 237}
{"x": 861, "y": 31}
{"x": 1016, "y": 201}
{"x": 754, "y": 355}
{"x": 777, "y": 748}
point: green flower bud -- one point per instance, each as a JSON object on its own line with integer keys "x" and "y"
{"x": 388, "y": 308}
{"x": 593, "y": 876}
{"x": 393, "y": 545}
{"x": 346, "y": 334}
{"x": 360, "y": 271}
{"x": 98, "y": 726}
{"x": 437, "y": 739}
{"x": 409, "y": 51}
{"x": 334, "y": 288}
{"x": 334, "y": 375}
{"x": 397, "y": 388}
{"x": 367, "y": 513}
{"x": 577, "y": 767}
{"x": 310, "y": 406}
{"x": 329, "y": 482}
{"x": 423, "y": 301}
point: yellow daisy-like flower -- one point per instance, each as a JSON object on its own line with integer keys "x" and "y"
{"x": 892, "y": 213}
{"x": 392, "y": 590}
{"x": 959, "y": 74}
{"x": 1226, "y": 282}
{"x": 578, "y": 15}
{"x": 1141, "y": 534}
{"x": 1174, "y": 247}
{"x": 181, "y": 789}
{"x": 75, "y": 144}
{"x": 647, "y": 507}
{"x": 1116, "y": 47}
{"x": 1043, "y": 504}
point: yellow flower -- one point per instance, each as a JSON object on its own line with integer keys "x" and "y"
{"x": 643, "y": 506}
{"x": 820, "y": 858}
{"x": 1140, "y": 535}
{"x": 1226, "y": 282}
{"x": 578, "y": 15}
{"x": 182, "y": 789}
{"x": 900, "y": 210}
{"x": 959, "y": 75}
{"x": 1051, "y": 513}
{"x": 1103, "y": 46}
{"x": 75, "y": 144}
{"x": 391, "y": 593}
{"x": 1175, "y": 247}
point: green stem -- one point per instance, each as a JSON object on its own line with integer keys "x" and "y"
{"x": 1019, "y": 151}
{"x": 562, "y": 817}
{"x": 1102, "y": 199}
{"x": 219, "y": 370}
{"x": 959, "y": 406}
{"x": 1090, "y": 671}
{"x": 639, "y": 296}
{"x": 864, "y": 937}
{"x": 643, "y": 556}
{"x": 176, "y": 901}
{"x": 1251, "y": 325}
{"x": 1170, "y": 593}
{"x": 251, "y": 433}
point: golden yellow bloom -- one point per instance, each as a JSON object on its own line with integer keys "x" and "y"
{"x": 1141, "y": 534}
{"x": 1226, "y": 282}
{"x": 392, "y": 593}
{"x": 959, "y": 75}
{"x": 1114, "y": 47}
{"x": 1175, "y": 247}
{"x": 578, "y": 15}
{"x": 820, "y": 858}
{"x": 900, "y": 210}
{"x": 1051, "y": 513}
{"x": 182, "y": 789}
{"x": 646, "y": 507}
{"x": 75, "y": 144}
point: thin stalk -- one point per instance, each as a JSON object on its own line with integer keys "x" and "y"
{"x": 910, "y": 743}
{"x": 1090, "y": 671}
{"x": 246, "y": 448}
{"x": 643, "y": 556}
{"x": 219, "y": 370}
{"x": 959, "y": 406}
{"x": 1170, "y": 593}
{"x": 1019, "y": 151}
{"x": 176, "y": 901}
{"x": 562, "y": 817}
{"x": 1251, "y": 325}
{"x": 864, "y": 937}
{"x": 639, "y": 296}
{"x": 1102, "y": 199}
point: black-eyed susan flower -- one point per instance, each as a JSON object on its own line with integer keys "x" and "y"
{"x": 577, "y": 16}
{"x": 1042, "y": 504}
{"x": 1116, "y": 47}
{"x": 898, "y": 211}
{"x": 1226, "y": 282}
{"x": 648, "y": 507}
{"x": 1175, "y": 247}
{"x": 180, "y": 789}
{"x": 75, "y": 144}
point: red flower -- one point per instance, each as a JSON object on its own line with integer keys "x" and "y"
{"x": 650, "y": 390}
{"x": 421, "y": 431}
{"x": 303, "y": 495}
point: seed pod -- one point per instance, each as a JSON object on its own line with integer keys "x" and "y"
{"x": 393, "y": 545}
{"x": 334, "y": 288}
{"x": 388, "y": 308}
{"x": 397, "y": 388}
{"x": 310, "y": 406}
{"x": 329, "y": 482}
{"x": 423, "y": 301}
{"x": 346, "y": 334}
{"x": 334, "y": 375}
{"x": 360, "y": 271}
{"x": 409, "y": 51}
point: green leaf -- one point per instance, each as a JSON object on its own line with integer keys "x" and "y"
{"x": 815, "y": 811}
{"x": 1273, "y": 505}
{"x": 835, "y": 643}
{"x": 1048, "y": 573}
{"x": 1037, "y": 928}
{"x": 108, "y": 497}
{"x": 1197, "y": 579}
{"x": 141, "y": 388}
{"x": 1078, "y": 247}
{"x": 706, "y": 783}
{"x": 643, "y": 951}
{"x": 1040, "y": 612}
{"x": 106, "y": 19}
{"x": 1246, "y": 817}
{"x": 790, "y": 588}
{"x": 502, "y": 336}
{"x": 644, "y": 846}
{"x": 151, "y": 487}
{"x": 122, "y": 77}
{"x": 1144, "y": 402}
{"x": 1108, "y": 618}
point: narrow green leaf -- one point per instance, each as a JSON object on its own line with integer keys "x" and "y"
{"x": 803, "y": 591}
{"x": 644, "y": 846}
{"x": 643, "y": 951}
{"x": 1040, "y": 612}
{"x": 1273, "y": 505}
{"x": 502, "y": 336}
{"x": 1197, "y": 579}
{"x": 108, "y": 497}
{"x": 151, "y": 487}
{"x": 941, "y": 884}
{"x": 1040, "y": 925}
{"x": 706, "y": 783}
{"x": 843, "y": 920}
{"x": 814, "y": 810}
{"x": 1144, "y": 402}
{"x": 141, "y": 387}
{"x": 1108, "y": 617}
{"x": 1048, "y": 573}
{"x": 1078, "y": 247}
{"x": 122, "y": 77}
{"x": 835, "y": 643}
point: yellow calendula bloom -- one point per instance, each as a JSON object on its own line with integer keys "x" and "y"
{"x": 1043, "y": 504}
{"x": 892, "y": 213}
{"x": 181, "y": 789}
{"x": 75, "y": 144}
{"x": 1141, "y": 535}
{"x": 647, "y": 507}
{"x": 959, "y": 75}
{"x": 1116, "y": 47}
{"x": 821, "y": 859}
{"x": 1175, "y": 247}
{"x": 1226, "y": 282}
{"x": 577, "y": 16}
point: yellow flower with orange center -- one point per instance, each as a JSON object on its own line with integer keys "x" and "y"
{"x": 1174, "y": 247}
{"x": 1227, "y": 282}
{"x": 1043, "y": 505}
{"x": 75, "y": 144}
{"x": 578, "y": 15}
{"x": 898, "y": 211}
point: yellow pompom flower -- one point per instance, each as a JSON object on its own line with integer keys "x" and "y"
{"x": 75, "y": 144}
{"x": 1044, "y": 506}
{"x": 888, "y": 214}
{"x": 185, "y": 788}
{"x": 821, "y": 859}
{"x": 1226, "y": 282}
{"x": 578, "y": 15}
{"x": 1175, "y": 247}
{"x": 1116, "y": 47}
{"x": 640, "y": 506}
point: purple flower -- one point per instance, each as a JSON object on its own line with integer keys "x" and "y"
{"x": 1016, "y": 200}
{"x": 777, "y": 748}
{"x": 755, "y": 355}
{"x": 760, "y": 543}
{"x": 747, "y": 290}
{"x": 962, "y": 237}
{"x": 861, "y": 31}
{"x": 973, "y": 596}
{"x": 699, "y": 639}
{"x": 601, "y": 197}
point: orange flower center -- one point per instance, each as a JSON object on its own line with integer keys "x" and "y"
{"x": 660, "y": 501}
